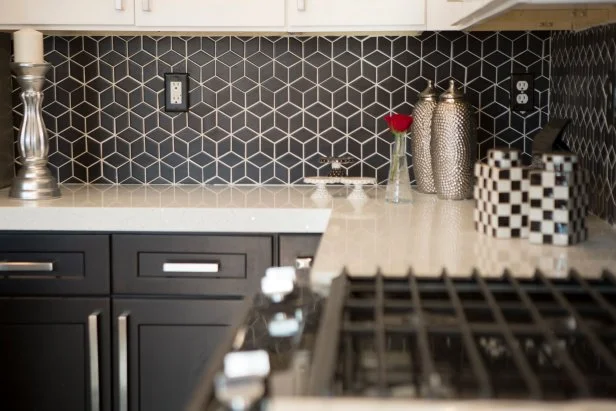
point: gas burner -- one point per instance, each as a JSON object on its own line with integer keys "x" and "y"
{"x": 467, "y": 338}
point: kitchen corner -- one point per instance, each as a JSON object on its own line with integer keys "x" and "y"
{"x": 198, "y": 218}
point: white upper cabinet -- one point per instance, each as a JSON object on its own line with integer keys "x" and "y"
{"x": 443, "y": 14}
{"x": 67, "y": 12}
{"x": 356, "y": 15}
{"x": 212, "y": 15}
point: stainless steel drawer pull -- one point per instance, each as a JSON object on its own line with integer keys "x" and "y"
{"x": 191, "y": 267}
{"x": 145, "y": 5}
{"x": 301, "y": 5}
{"x": 119, "y": 4}
{"x": 26, "y": 266}
{"x": 95, "y": 401}
{"x": 303, "y": 262}
{"x": 123, "y": 361}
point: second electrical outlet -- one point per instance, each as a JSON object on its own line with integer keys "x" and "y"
{"x": 176, "y": 92}
{"x": 522, "y": 91}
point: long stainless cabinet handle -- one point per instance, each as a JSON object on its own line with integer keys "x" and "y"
{"x": 301, "y": 5}
{"x": 119, "y": 4}
{"x": 191, "y": 267}
{"x": 145, "y": 5}
{"x": 95, "y": 396}
{"x": 123, "y": 360}
{"x": 26, "y": 266}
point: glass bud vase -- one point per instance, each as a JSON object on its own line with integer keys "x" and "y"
{"x": 398, "y": 183}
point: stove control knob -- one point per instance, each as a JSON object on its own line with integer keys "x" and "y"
{"x": 278, "y": 282}
{"x": 238, "y": 394}
{"x": 281, "y": 272}
{"x": 282, "y": 325}
{"x": 246, "y": 364}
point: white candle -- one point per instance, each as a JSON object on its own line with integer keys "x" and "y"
{"x": 28, "y": 46}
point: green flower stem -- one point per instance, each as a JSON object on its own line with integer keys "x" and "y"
{"x": 399, "y": 145}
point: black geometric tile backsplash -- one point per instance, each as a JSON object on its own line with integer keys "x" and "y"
{"x": 583, "y": 77}
{"x": 264, "y": 109}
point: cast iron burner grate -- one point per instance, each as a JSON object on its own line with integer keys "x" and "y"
{"x": 475, "y": 337}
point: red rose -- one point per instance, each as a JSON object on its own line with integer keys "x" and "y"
{"x": 398, "y": 123}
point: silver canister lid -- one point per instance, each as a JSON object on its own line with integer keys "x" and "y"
{"x": 452, "y": 92}
{"x": 429, "y": 92}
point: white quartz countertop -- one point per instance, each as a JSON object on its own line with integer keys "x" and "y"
{"x": 428, "y": 236}
{"x": 213, "y": 209}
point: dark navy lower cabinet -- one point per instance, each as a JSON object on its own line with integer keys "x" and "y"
{"x": 55, "y": 354}
{"x": 122, "y": 322}
{"x": 163, "y": 346}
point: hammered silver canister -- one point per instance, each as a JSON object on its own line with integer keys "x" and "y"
{"x": 453, "y": 147}
{"x": 421, "y": 134}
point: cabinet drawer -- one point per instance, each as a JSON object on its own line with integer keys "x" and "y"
{"x": 42, "y": 264}
{"x": 298, "y": 250}
{"x": 189, "y": 264}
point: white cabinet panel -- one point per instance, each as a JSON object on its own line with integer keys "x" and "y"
{"x": 67, "y": 12}
{"x": 356, "y": 15}
{"x": 442, "y": 14}
{"x": 223, "y": 15}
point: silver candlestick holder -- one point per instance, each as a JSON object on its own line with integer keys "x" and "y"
{"x": 34, "y": 180}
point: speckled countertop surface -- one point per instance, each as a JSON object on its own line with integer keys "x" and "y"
{"x": 427, "y": 236}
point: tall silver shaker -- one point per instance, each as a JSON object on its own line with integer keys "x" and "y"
{"x": 453, "y": 147}
{"x": 421, "y": 134}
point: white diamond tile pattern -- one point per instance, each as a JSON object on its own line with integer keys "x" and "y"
{"x": 264, "y": 109}
{"x": 582, "y": 90}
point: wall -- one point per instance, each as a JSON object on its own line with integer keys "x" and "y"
{"x": 263, "y": 110}
{"x": 583, "y": 75}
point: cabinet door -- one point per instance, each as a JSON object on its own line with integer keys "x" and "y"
{"x": 327, "y": 15}
{"x": 442, "y": 14}
{"x": 222, "y": 15}
{"x": 55, "y": 354}
{"x": 162, "y": 347}
{"x": 67, "y": 12}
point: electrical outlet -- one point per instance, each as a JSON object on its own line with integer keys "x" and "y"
{"x": 176, "y": 92}
{"x": 522, "y": 91}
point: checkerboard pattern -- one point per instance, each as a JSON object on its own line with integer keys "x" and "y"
{"x": 563, "y": 162}
{"x": 558, "y": 204}
{"x": 501, "y": 200}
{"x": 503, "y": 158}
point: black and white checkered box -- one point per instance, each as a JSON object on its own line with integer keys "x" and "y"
{"x": 558, "y": 201}
{"x": 504, "y": 158}
{"x": 501, "y": 196}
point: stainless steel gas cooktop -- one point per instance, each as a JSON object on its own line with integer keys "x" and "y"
{"x": 443, "y": 338}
